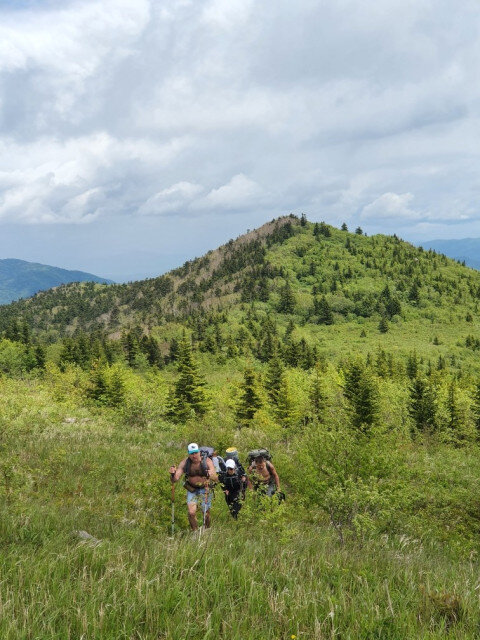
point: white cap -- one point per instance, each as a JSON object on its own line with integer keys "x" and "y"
{"x": 193, "y": 448}
{"x": 230, "y": 464}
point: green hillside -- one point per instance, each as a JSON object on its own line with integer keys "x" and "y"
{"x": 21, "y": 279}
{"x": 353, "y": 359}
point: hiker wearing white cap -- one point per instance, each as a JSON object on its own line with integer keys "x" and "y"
{"x": 233, "y": 482}
{"x": 200, "y": 474}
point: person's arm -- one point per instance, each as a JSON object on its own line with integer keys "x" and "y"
{"x": 176, "y": 472}
{"x": 274, "y": 473}
{"x": 212, "y": 474}
{"x": 249, "y": 482}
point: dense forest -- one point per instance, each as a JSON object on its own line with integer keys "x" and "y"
{"x": 354, "y": 359}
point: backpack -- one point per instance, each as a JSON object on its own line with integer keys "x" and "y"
{"x": 205, "y": 452}
{"x": 232, "y": 454}
{"x": 265, "y": 453}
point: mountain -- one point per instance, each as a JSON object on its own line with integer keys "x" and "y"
{"x": 353, "y": 359}
{"x": 21, "y": 279}
{"x": 465, "y": 250}
{"x": 340, "y": 290}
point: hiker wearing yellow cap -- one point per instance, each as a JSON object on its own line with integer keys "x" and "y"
{"x": 200, "y": 474}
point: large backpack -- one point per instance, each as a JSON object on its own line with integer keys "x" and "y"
{"x": 205, "y": 452}
{"x": 232, "y": 454}
{"x": 255, "y": 453}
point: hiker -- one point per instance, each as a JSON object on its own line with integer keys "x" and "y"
{"x": 263, "y": 477}
{"x": 233, "y": 482}
{"x": 200, "y": 475}
{"x": 232, "y": 453}
{"x": 218, "y": 462}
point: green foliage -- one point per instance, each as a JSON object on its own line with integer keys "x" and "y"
{"x": 362, "y": 395}
{"x": 422, "y": 407}
{"x": 188, "y": 398}
{"x": 249, "y": 401}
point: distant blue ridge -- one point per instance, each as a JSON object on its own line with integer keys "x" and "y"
{"x": 22, "y": 279}
{"x": 465, "y": 250}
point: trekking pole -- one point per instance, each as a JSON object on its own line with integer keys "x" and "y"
{"x": 205, "y": 502}
{"x": 173, "y": 503}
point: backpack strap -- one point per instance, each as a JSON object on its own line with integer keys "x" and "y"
{"x": 203, "y": 466}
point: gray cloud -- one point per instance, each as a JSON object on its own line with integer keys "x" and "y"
{"x": 363, "y": 112}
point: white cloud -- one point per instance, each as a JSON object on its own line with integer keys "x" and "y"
{"x": 176, "y": 198}
{"x": 391, "y": 205}
{"x": 77, "y": 180}
{"x": 239, "y": 192}
{"x": 180, "y": 107}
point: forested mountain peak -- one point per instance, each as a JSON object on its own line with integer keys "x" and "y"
{"x": 312, "y": 272}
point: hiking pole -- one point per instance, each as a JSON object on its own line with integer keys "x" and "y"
{"x": 205, "y": 502}
{"x": 173, "y": 503}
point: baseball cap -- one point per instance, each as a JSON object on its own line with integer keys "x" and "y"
{"x": 193, "y": 448}
{"x": 230, "y": 464}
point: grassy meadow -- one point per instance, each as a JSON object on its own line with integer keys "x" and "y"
{"x": 353, "y": 359}
{"x": 410, "y": 571}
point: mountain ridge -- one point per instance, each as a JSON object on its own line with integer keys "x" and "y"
{"x": 463, "y": 249}
{"x": 22, "y": 279}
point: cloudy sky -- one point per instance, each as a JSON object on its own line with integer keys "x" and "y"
{"x": 136, "y": 134}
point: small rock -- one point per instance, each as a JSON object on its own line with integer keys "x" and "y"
{"x": 84, "y": 535}
{"x": 69, "y": 420}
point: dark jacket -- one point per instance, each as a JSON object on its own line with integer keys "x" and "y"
{"x": 231, "y": 483}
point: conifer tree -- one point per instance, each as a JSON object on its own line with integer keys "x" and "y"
{"x": 454, "y": 415}
{"x": 40, "y": 356}
{"x": 383, "y": 325}
{"x": 273, "y": 379}
{"x": 249, "y": 401}
{"x": 284, "y": 406}
{"x": 323, "y": 311}
{"x": 116, "y": 388}
{"x": 97, "y": 381}
{"x": 317, "y": 394}
{"x": 422, "y": 407}
{"x": 188, "y": 396}
{"x": 287, "y": 299}
{"x": 362, "y": 395}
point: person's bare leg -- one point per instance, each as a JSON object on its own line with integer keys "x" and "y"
{"x": 192, "y": 515}
{"x": 207, "y": 519}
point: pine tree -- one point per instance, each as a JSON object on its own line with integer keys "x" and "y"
{"x": 116, "y": 388}
{"x": 131, "y": 346}
{"x": 249, "y": 401}
{"x": 422, "y": 407}
{"x": 323, "y": 311}
{"x": 412, "y": 366}
{"x": 287, "y": 299}
{"x": 284, "y": 406}
{"x": 383, "y": 325}
{"x": 317, "y": 394}
{"x": 362, "y": 395}
{"x": 40, "y": 356}
{"x": 273, "y": 378}
{"x": 188, "y": 396}
{"x": 414, "y": 293}
{"x": 454, "y": 415}
{"x": 97, "y": 381}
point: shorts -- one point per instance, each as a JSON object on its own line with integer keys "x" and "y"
{"x": 198, "y": 497}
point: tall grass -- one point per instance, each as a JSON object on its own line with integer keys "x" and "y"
{"x": 276, "y": 573}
